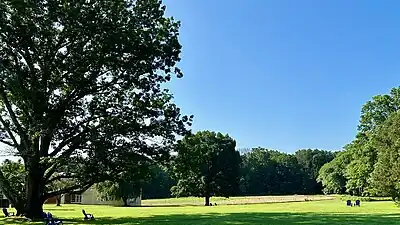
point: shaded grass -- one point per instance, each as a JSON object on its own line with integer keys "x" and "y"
{"x": 321, "y": 212}
{"x": 255, "y": 218}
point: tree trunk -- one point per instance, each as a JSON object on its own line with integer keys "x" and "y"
{"x": 20, "y": 208}
{"x": 207, "y": 191}
{"x": 34, "y": 192}
{"x": 207, "y": 201}
{"x": 125, "y": 200}
{"x": 58, "y": 200}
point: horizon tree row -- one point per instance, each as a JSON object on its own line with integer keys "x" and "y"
{"x": 207, "y": 164}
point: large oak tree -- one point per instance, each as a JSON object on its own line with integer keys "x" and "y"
{"x": 80, "y": 91}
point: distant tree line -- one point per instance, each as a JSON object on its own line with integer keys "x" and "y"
{"x": 207, "y": 163}
{"x": 367, "y": 166}
{"x": 259, "y": 171}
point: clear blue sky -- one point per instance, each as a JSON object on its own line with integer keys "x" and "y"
{"x": 285, "y": 74}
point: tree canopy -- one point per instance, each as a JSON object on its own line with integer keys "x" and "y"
{"x": 332, "y": 174}
{"x": 206, "y": 165}
{"x": 358, "y": 170}
{"x": 80, "y": 91}
{"x": 14, "y": 173}
{"x": 126, "y": 185}
{"x": 270, "y": 172}
{"x": 123, "y": 189}
{"x": 159, "y": 184}
{"x": 385, "y": 177}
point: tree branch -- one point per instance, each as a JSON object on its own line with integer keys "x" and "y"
{"x": 16, "y": 62}
{"x": 7, "y": 128}
{"x": 20, "y": 130}
{"x": 13, "y": 48}
{"x": 50, "y": 171}
{"x": 71, "y": 139}
{"x": 8, "y": 143}
{"x": 56, "y": 178}
{"x": 76, "y": 94}
{"x": 65, "y": 143}
{"x": 75, "y": 189}
{"x": 72, "y": 97}
{"x": 53, "y": 168}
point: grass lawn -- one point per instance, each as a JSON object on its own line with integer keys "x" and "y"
{"x": 311, "y": 212}
{"x": 233, "y": 200}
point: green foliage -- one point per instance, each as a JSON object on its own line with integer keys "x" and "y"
{"x": 266, "y": 172}
{"x": 206, "y": 165}
{"x": 122, "y": 190}
{"x": 126, "y": 185}
{"x": 363, "y": 159}
{"x": 386, "y": 175}
{"x": 359, "y": 169}
{"x": 377, "y": 110}
{"x": 332, "y": 174}
{"x": 364, "y": 153}
{"x": 84, "y": 100}
{"x": 311, "y": 161}
{"x": 15, "y": 173}
{"x": 159, "y": 184}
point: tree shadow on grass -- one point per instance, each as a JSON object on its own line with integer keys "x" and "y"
{"x": 249, "y": 218}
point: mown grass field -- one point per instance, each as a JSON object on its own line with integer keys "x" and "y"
{"x": 306, "y": 212}
{"x": 234, "y": 200}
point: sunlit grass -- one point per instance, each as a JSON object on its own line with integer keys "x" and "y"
{"x": 193, "y": 201}
{"x": 310, "y": 212}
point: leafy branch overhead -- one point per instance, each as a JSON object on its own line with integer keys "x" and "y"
{"x": 81, "y": 88}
